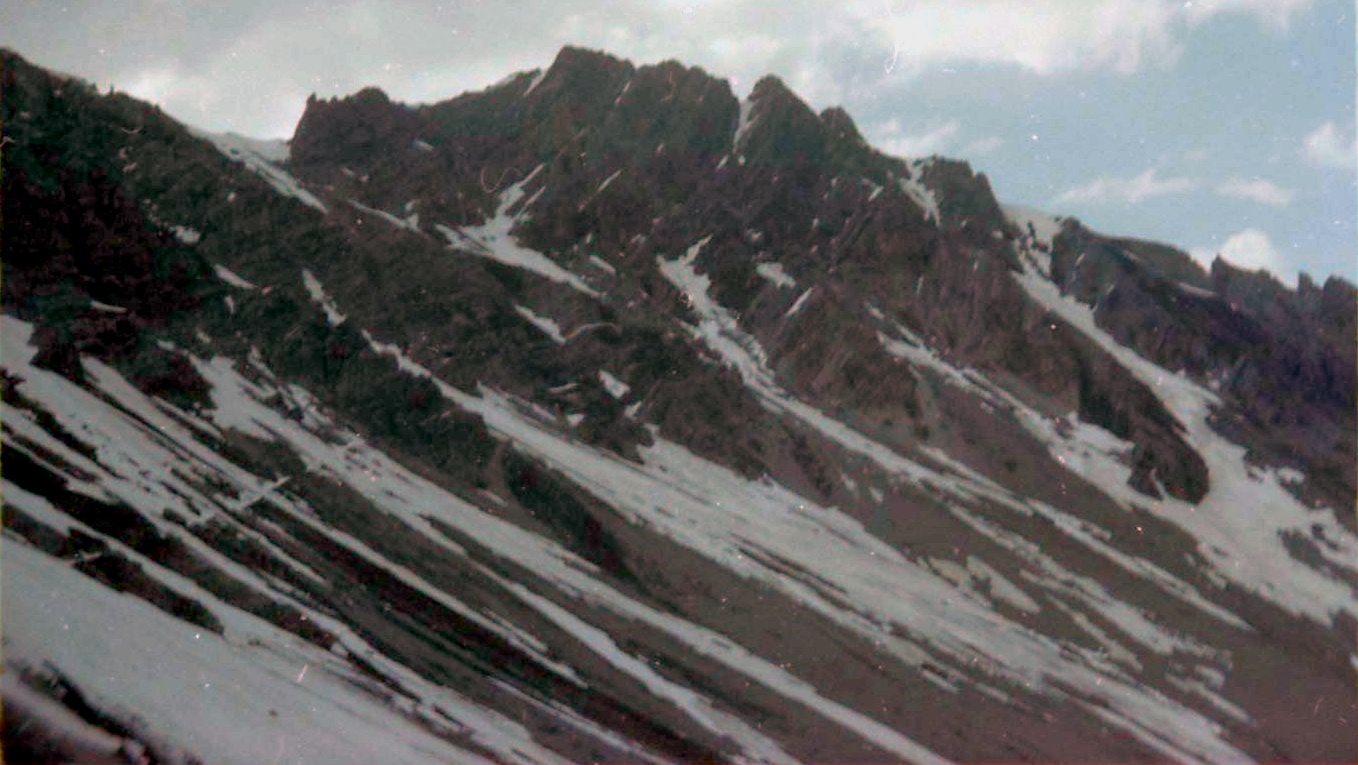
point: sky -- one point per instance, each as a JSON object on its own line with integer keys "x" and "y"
{"x": 1220, "y": 126}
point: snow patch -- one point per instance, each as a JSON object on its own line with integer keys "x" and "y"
{"x": 106, "y": 308}
{"x": 1197, "y": 292}
{"x": 549, "y": 328}
{"x": 607, "y": 182}
{"x": 262, "y": 157}
{"x": 922, "y": 195}
{"x": 615, "y": 387}
{"x": 232, "y": 278}
{"x": 755, "y": 745}
{"x": 744, "y": 122}
{"x": 1037, "y": 233}
{"x": 408, "y": 223}
{"x": 494, "y": 240}
{"x": 774, "y": 273}
{"x": 602, "y": 264}
{"x": 799, "y": 304}
{"x": 538, "y": 76}
{"x": 320, "y": 297}
{"x": 186, "y": 235}
{"x": 1244, "y": 520}
{"x": 197, "y": 690}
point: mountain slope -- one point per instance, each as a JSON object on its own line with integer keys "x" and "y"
{"x": 601, "y": 415}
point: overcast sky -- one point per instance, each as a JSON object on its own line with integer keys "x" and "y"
{"x": 1217, "y": 125}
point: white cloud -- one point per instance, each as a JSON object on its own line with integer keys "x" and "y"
{"x": 932, "y": 138}
{"x": 245, "y": 65}
{"x": 1252, "y": 250}
{"x": 1049, "y": 36}
{"x": 1114, "y": 190}
{"x": 1258, "y": 190}
{"x": 1043, "y": 37}
{"x": 1324, "y": 147}
{"x": 892, "y": 139}
{"x": 982, "y": 146}
{"x": 1274, "y": 13}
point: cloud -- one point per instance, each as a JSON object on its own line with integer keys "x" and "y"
{"x": 1044, "y": 37}
{"x": 248, "y": 65}
{"x": 1324, "y": 147}
{"x": 1114, "y": 190}
{"x": 1052, "y": 36}
{"x": 983, "y": 146}
{"x": 935, "y": 138}
{"x": 1274, "y": 13}
{"x": 1252, "y": 250}
{"x": 892, "y": 139}
{"x": 1258, "y": 190}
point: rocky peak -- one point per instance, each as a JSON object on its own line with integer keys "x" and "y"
{"x": 1232, "y": 279}
{"x": 1258, "y": 290}
{"x": 1339, "y": 297}
{"x": 771, "y": 87}
{"x": 584, "y": 74}
{"x": 840, "y": 125}
{"x": 964, "y": 196}
{"x": 371, "y": 95}
{"x": 783, "y": 131}
{"x": 668, "y": 108}
{"x": 349, "y": 131}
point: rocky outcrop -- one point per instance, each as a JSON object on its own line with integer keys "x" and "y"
{"x": 1275, "y": 355}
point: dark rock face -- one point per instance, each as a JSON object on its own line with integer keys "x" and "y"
{"x": 1283, "y": 359}
{"x": 784, "y": 132}
{"x": 651, "y": 421}
{"x": 82, "y": 259}
{"x": 353, "y": 130}
{"x": 964, "y": 196}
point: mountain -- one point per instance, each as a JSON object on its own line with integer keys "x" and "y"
{"x": 602, "y": 415}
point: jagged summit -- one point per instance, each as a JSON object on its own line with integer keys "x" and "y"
{"x": 840, "y": 125}
{"x": 579, "y": 59}
{"x": 770, "y": 86}
{"x": 608, "y": 104}
{"x": 582, "y": 74}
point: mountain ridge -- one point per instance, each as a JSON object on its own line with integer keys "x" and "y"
{"x": 819, "y": 402}
{"x": 834, "y": 117}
